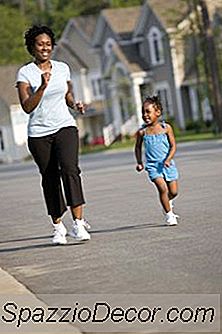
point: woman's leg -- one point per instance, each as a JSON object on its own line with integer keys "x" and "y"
{"x": 44, "y": 156}
{"x": 67, "y": 151}
{"x": 67, "y": 147}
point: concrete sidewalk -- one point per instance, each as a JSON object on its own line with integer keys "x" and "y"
{"x": 14, "y": 292}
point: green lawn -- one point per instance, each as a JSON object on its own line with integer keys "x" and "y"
{"x": 129, "y": 143}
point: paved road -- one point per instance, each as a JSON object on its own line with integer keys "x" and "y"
{"x": 131, "y": 251}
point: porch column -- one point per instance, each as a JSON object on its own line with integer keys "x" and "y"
{"x": 177, "y": 63}
{"x": 117, "y": 119}
{"x": 136, "y": 82}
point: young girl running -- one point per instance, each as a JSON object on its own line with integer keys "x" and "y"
{"x": 160, "y": 147}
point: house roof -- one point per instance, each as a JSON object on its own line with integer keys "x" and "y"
{"x": 169, "y": 12}
{"x": 122, "y": 20}
{"x": 74, "y": 47}
{"x": 130, "y": 58}
{"x": 64, "y": 52}
{"x": 86, "y": 24}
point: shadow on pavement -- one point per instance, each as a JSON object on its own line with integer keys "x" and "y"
{"x": 127, "y": 228}
{"x": 26, "y": 239}
{"x": 75, "y": 243}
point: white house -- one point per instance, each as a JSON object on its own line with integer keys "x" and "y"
{"x": 13, "y": 120}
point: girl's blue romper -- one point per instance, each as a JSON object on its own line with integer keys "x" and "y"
{"x": 157, "y": 148}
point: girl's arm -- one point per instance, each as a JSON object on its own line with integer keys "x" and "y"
{"x": 70, "y": 101}
{"x": 29, "y": 100}
{"x": 172, "y": 142}
{"x": 138, "y": 150}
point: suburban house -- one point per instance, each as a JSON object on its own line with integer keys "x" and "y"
{"x": 75, "y": 49}
{"x": 155, "y": 51}
{"x": 13, "y": 120}
{"x": 136, "y": 61}
{"x": 125, "y": 54}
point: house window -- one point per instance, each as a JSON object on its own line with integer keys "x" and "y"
{"x": 109, "y": 45}
{"x": 156, "y": 46}
{"x": 96, "y": 84}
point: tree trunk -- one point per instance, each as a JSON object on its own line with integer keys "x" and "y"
{"x": 214, "y": 79}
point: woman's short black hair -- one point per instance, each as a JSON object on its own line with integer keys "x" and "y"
{"x": 33, "y": 32}
{"x": 155, "y": 100}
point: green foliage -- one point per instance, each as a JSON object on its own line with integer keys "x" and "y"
{"x": 12, "y": 28}
{"x": 172, "y": 122}
{"x": 125, "y": 3}
{"x": 199, "y": 126}
{"x": 18, "y": 15}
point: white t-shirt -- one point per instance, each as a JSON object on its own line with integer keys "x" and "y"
{"x": 52, "y": 113}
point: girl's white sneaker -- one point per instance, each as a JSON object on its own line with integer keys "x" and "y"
{"x": 171, "y": 218}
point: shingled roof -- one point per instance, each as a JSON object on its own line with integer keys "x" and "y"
{"x": 122, "y": 20}
{"x": 86, "y": 24}
{"x": 74, "y": 47}
{"x": 169, "y": 12}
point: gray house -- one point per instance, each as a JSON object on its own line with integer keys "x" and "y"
{"x": 153, "y": 49}
{"x": 122, "y": 69}
{"x": 183, "y": 22}
{"x": 153, "y": 29}
{"x": 136, "y": 61}
{"x": 75, "y": 49}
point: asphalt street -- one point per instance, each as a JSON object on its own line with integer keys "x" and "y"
{"x": 131, "y": 251}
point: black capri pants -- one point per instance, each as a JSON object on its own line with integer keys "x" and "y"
{"x": 57, "y": 158}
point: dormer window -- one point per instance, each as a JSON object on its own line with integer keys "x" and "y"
{"x": 109, "y": 45}
{"x": 156, "y": 46}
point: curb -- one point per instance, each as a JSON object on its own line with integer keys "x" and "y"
{"x": 12, "y": 289}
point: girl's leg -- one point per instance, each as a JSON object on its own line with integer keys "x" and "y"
{"x": 163, "y": 193}
{"x": 172, "y": 189}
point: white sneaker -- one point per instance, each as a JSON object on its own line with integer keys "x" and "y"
{"x": 86, "y": 224}
{"x": 60, "y": 232}
{"x": 171, "y": 218}
{"x": 78, "y": 231}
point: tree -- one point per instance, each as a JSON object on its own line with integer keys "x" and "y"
{"x": 12, "y": 28}
{"x": 212, "y": 65}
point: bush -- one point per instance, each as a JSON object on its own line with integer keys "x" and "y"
{"x": 195, "y": 126}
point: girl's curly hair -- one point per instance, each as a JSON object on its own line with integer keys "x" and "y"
{"x": 33, "y": 32}
{"x": 155, "y": 100}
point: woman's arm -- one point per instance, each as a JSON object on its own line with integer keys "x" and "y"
{"x": 70, "y": 101}
{"x": 172, "y": 142}
{"x": 29, "y": 100}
